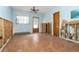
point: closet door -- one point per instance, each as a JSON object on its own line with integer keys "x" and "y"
{"x": 43, "y": 27}
{"x": 46, "y": 27}
{"x": 49, "y": 28}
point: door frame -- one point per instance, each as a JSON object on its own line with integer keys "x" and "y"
{"x": 59, "y": 22}
{"x": 32, "y": 23}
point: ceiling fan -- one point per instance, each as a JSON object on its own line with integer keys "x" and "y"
{"x": 34, "y": 9}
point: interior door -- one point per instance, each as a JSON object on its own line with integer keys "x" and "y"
{"x": 56, "y": 23}
{"x": 35, "y": 24}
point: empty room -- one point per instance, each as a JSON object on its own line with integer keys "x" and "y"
{"x": 39, "y": 28}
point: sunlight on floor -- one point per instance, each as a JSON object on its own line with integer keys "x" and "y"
{"x": 35, "y": 38}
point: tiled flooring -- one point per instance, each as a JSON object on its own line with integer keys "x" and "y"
{"x": 41, "y": 42}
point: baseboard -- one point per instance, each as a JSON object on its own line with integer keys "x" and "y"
{"x": 69, "y": 40}
{"x": 22, "y": 33}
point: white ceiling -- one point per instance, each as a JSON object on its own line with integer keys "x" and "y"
{"x": 42, "y": 9}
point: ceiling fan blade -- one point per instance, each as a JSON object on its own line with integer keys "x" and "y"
{"x": 37, "y": 10}
{"x": 30, "y": 8}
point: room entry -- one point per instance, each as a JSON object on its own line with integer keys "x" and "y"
{"x": 56, "y": 20}
{"x": 35, "y": 26}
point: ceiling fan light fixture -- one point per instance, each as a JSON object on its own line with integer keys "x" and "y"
{"x": 34, "y": 9}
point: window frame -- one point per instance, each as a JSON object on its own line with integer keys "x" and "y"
{"x": 22, "y": 23}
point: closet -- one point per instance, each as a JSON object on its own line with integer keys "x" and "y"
{"x": 46, "y": 27}
{"x": 5, "y": 30}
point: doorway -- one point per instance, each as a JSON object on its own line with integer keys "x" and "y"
{"x": 56, "y": 20}
{"x": 35, "y": 25}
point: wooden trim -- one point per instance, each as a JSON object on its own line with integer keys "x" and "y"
{"x": 32, "y": 22}
{"x": 75, "y": 32}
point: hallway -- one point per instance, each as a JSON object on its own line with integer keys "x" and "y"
{"x": 41, "y": 42}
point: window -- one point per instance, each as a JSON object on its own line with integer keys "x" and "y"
{"x": 22, "y": 20}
